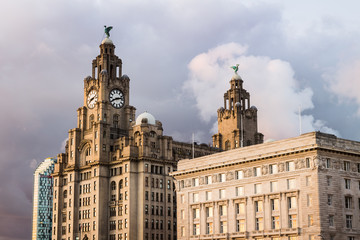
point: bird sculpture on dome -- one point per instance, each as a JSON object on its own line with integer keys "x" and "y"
{"x": 107, "y": 30}
{"x": 236, "y": 68}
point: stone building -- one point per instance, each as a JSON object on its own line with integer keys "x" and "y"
{"x": 237, "y": 120}
{"x": 43, "y": 200}
{"x": 306, "y": 187}
{"x": 113, "y": 180}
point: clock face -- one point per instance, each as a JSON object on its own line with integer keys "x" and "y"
{"x": 92, "y": 98}
{"x": 116, "y": 98}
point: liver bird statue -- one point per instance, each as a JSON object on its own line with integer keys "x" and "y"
{"x": 107, "y": 30}
{"x": 236, "y": 68}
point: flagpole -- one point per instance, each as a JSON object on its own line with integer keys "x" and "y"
{"x": 193, "y": 146}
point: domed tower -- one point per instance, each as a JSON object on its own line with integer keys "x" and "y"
{"x": 237, "y": 120}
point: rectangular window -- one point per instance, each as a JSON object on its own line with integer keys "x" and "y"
{"x": 223, "y": 210}
{"x": 347, "y": 184}
{"x": 208, "y": 195}
{"x": 291, "y": 183}
{"x": 222, "y": 193}
{"x": 240, "y": 208}
{"x": 240, "y": 225}
{"x": 290, "y": 166}
{"x": 209, "y": 211}
{"x": 275, "y": 222}
{"x": 310, "y": 220}
{"x": 259, "y": 224}
{"x": 307, "y": 162}
{"x": 309, "y": 200}
{"x": 308, "y": 180}
{"x": 348, "y": 202}
{"x": 329, "y": 199}
{"x": 239, "y": 191}
{"x": 274, "y": 204}
{"x": 257, "y": 171}
{"x": 222, "y": 177}
{"x": 292, "y": 221}
{"x": 208, "y": 180}
{"x": 348, "y": 221}
{"x": 328, "y": 163}
{"x": 258, "y": 206}
{"x": 196, "y": 229}
{"x": 257, "y": 188}
{"x": 195, "y": 182}
{"x": 223, "y": 227}
{"x": 291, "y": 202}
{"x": 346, "y": 166}
{"x": 239, "y": 174}
{"x": 209, "y": 228}
{"x": 273, "y": 169}
{"x": 328, "y": 180}
{"x": 195, "y": 197}
{"x": 196, "y": 213}
{"x": 273, "y": 186}
{"x": 331, "y": 220}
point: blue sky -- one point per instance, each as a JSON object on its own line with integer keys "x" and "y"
{"x": 177, "y": 54}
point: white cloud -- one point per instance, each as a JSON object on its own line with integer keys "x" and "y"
{"x": 63, "y": 144}
{"x": 271, "y": 83}
{"x": 33, "y": 163}
{"x": 345, "y": 82}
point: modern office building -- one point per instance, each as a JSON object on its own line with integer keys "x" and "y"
{"x": 303, "y": 188}
{"x": 113, "y": 180}
{"x": 43, "y": 200}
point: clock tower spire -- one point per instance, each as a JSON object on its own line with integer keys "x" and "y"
{"x": 237, "y": 120}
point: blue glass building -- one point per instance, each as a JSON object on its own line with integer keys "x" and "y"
{"x": 43, "y": 200}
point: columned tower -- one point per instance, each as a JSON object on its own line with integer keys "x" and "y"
{"x": 237, "y": 120}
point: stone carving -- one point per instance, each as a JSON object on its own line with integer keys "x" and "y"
{"x": 354, "y": 167}
{"x": 202, "y": 181}
{"x": 229, "y": 176}
{"x": 265, "y": 169}
{"x": 188, "y": 183}
{"x": 248, "y": 172}
{"x": 214, "y": 178}
{"x": 299, "y": 163}
{"x": 336, "y": 164}
{"x": 281, "y": 167}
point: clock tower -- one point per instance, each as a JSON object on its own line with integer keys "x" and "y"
{"x": 237, "y": 120}
{"x": 113, "y": 181}
{"x": 106, "y": 113}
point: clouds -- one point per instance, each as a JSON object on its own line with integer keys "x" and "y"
{"x": 177, "y": 55}
{"x": 345, "y": 84}
{"x": 271, "y": 83}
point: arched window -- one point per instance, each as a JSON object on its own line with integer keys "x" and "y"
{"x": 113, "y": 185}
{"x": 121, "y": 184}
{"x": 227, "y": 145}
{"x": 88, "y": 151}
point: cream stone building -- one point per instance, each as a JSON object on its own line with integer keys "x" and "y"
{"x": 113, "y": 181}
{"x": 306, "y": 187}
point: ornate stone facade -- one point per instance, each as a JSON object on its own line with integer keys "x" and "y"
{"x": 307, "y": 187}
{"x": 113, "y": 180}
